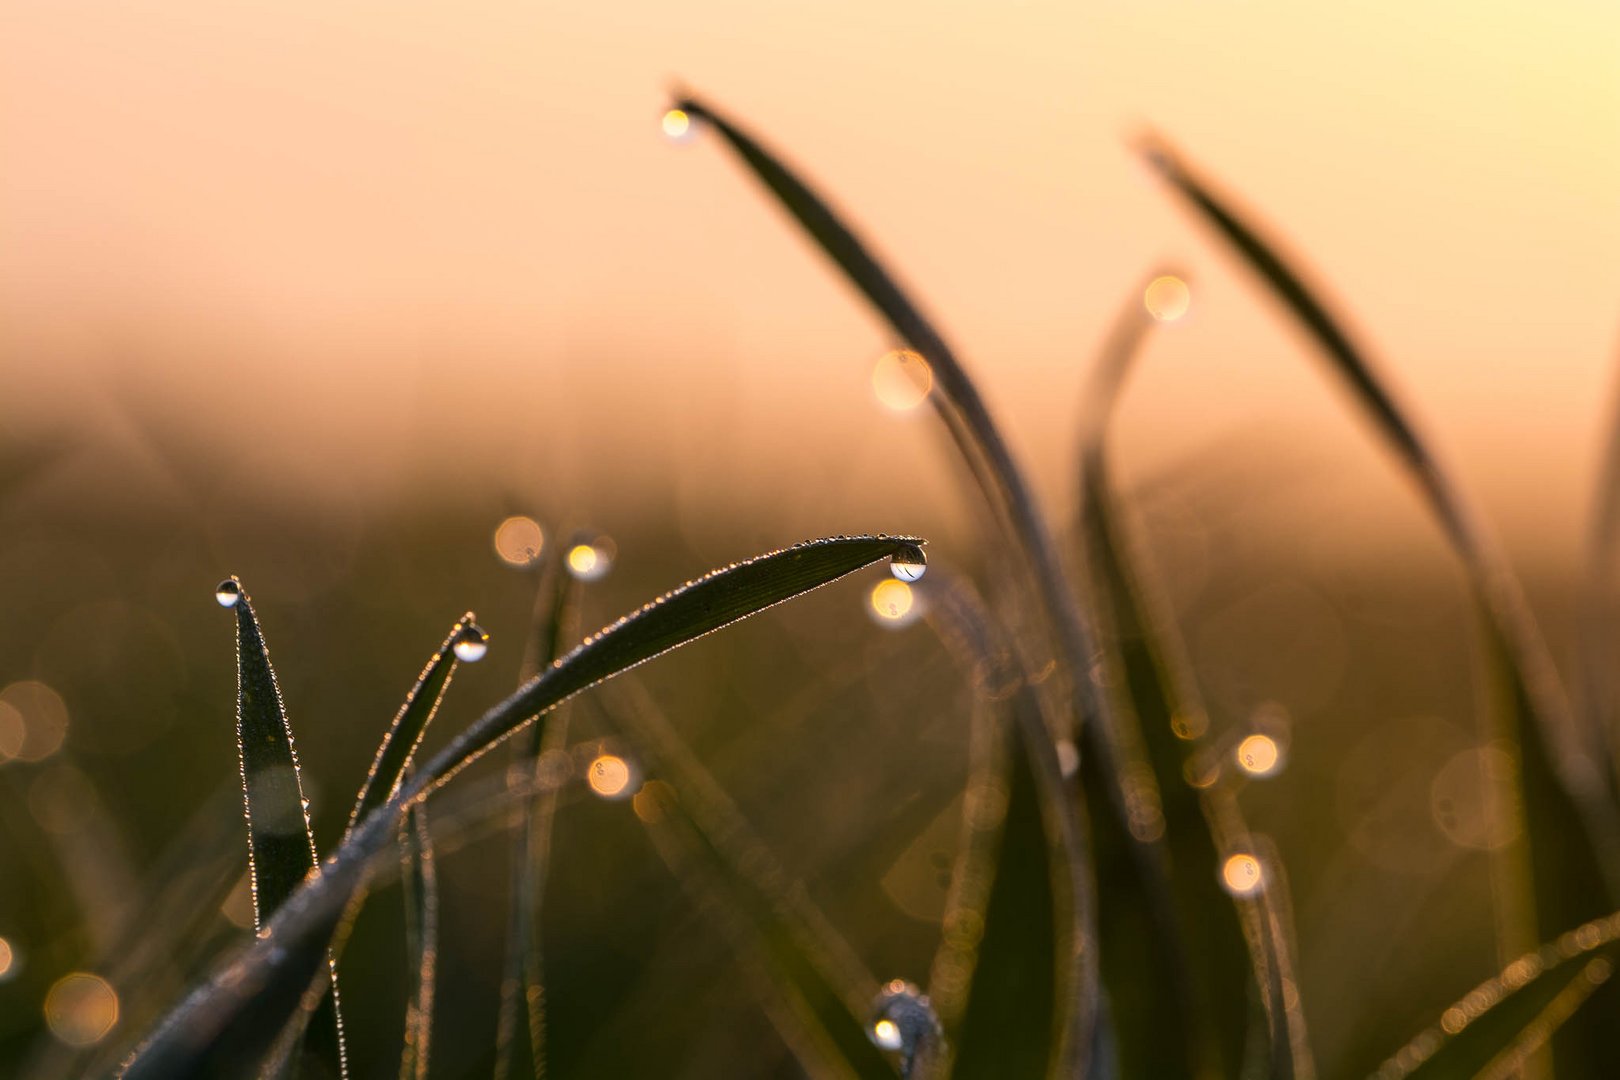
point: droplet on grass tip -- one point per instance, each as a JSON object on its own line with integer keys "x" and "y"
{"x": 908, "y": 564}
{"x": 592, "y": 561}
{"x": 677, "y": 125}
{"x": 471, "y": 643}
{"x": 904, "y": 1022}
{"x": 1242, "y": 875}
{"x": 519, "y": 541}
{"x": 902, "y": 380}
{"x": 228, "y": 592}
{"x": 893, "y": 604}
{"x": 1167, "y": 298}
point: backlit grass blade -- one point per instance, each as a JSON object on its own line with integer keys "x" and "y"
{"x": 398, "y": 747}
{"x": 281, "y": 844}
{"x": 419, "y": 881}
{"x": 533, "y": 812}
{"x": 1493, "y": 1030}
{"x": 233, "y": 1017}
{"x": 1595, "y": 683}
{"x": 1136, "y": 886}
{"x": 1571, "y": 817}
{"x": 1021, "y": 1013}
{"x": 819, "y": 1013}
{"x": 1201, "y": 828}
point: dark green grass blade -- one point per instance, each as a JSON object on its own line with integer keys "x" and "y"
{"x": 808, "y": 1002}
{"x": 281, "y": 845}
{"x": 398, "y": 748}
{"x": 1571, "y": 818}
{"x": 1210, "y": 1034}
{"x": 534, "y": 810}
{"x": 1137, "y": 882}
{"x": 419, "y": 882}
{"x": 1018, "y": 1015}
{"x": 1496, "y": 1027}
{"x": 227, "y": 1023}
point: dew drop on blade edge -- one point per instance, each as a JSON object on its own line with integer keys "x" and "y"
{"x": 471, "y": 643}
{"x": 228, "y": 592}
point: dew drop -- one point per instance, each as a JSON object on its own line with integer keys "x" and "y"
{"x": 591, "y": 561}
{"x": 1167, "y": 298}
{"x": 677, "y": 125}
{"x": 228, "y": 592}
{"x": 908, "y": 564}
{"x": 902, "y": 380}
{"x": 471, "y": 643}
{"x": 903, "y": 1022}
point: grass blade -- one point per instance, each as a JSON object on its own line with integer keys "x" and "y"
{"x": 419, "y": 881}
{"x": 281, "y": 844}
{"x": 1498, "y": 1025}
{"x": 225, "y": 1025}
{"x": 1201, "y": 827}
{"x": 1018, "y": 1016}
{"x": 1137, "y": 883}
{"x": 1572, "y": 821}
{"x": 1594, "y": 681}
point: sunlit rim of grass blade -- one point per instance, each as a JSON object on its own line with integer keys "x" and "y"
{"x": 1156, "y": 686}
{"x": 1023, "y": 1012}
{"x": 1552, "y": 742}
{"x": 237, "y": 1011}
{"x": 1491, "y": 1030}
{"x": 419, "y": 883}
{"x": 281, "y": 843}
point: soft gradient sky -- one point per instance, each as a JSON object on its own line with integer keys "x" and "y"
{"x": 375, "y": 236}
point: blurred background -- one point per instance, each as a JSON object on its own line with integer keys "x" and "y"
{"x": 321, "y": 296}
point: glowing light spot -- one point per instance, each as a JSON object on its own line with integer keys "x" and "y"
{"x": 1259, "y": 755}
{"x": 13, "y": 732}
{"x": 471, "y": 644}
{"x": 886, "y": 1033}
{"x": 80, "y": 1009}
{"x": 1068, "y": 757}
{"x": 608, "y": 776}
{"x": 1471, "y": 799}
{"x": 8, "y": 960}
{"x": 44, "y": 720}
{"x": 1189, "y": 727}
{"x": 677, "y": 124}
{"x": 1242, "y": 875}
{"x": 519, "y": 541}
{"x": 893, "y": 603}
{"x": 1167, "y": 298}
{"x": 902, "y": 380}
{"x": 590, "y": 562}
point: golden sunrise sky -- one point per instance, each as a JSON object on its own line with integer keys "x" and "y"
{"x": 364, "y": 232}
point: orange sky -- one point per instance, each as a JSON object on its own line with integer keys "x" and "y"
{"x": 373, "y": 227}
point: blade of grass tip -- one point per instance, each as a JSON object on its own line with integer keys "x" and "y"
{"x": 1010, "y": 498}
{"x": 419, "y": 880}
{"x": 281, "y": 844}
{"x": 227, "y": 1023}
{"x": 815, "y": 992}
{"x": 533, "y": 810}
{"x": 1019, "y": 1004}
{"x": 1501, "y": 1022}
{"x": 1153, "y": 676}
{"x": 1572, "y": 821}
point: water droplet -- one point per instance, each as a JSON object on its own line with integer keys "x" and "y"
{"x": 80, "y": 1009}
{"x": 893, "y": 604}
{"x": 519, "y": 541}
{"x": 1259, "y": 755}
{"x": 471, "y": 643}
{"x": 1167, "y": 298}
{"x": 677, "y": 125}
{"x": 904, "y": 1022}
{"x": 610, "y": 776}
{"x": 1242, "y": 875}
{"x": 902, "y": 380}
{"x": 591, "y": 561}
{"x": 908, "y": 564}
{"x": 228, "y": 592}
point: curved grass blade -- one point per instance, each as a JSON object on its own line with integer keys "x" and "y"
{"x": 281, "y": 844}
{"x": 533, "y": 812}
{"x": 1572, "y": 820}
{"x": 1595, "y": 682}
{"x": 1201, "y": 827}
{"x": 228, "y": 1023}
{"x": 398, "y": 748}
{"x": 419, "y": 881}
{"x": 1501, "y": 1022}
{"x": 1137, "y": 883}
{"x": 1018, "y": 1014}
